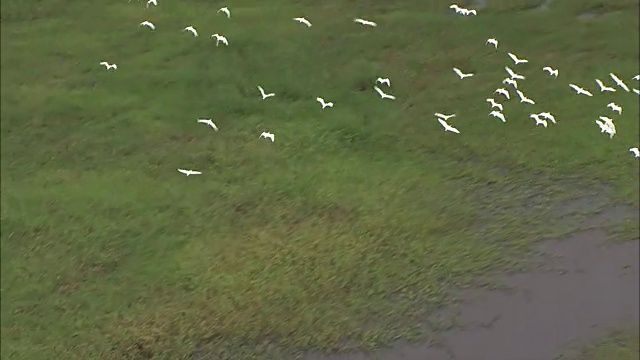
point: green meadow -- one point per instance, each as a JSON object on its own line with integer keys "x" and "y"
{"x": 343, "y": 232}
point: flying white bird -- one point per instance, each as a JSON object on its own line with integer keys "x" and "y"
{"x": 606, "y": 127}
{"x": 265, "y": 95}
{"x": 384, "y": 81}
{"x": 499, "y": 115}
{"x": 513, "y": 74}
{"x": 148, "y": 24}
{"x": 635, "y": 151}
{"x": 268, "y": 135}
{"x": 448, "y": 127}
{"x": 208, "y": 122}
{"x": 603, "y": 87}
{"x": 365, "y": 22}
{"x": 494, "y": 104}
{"x": 492, "y": 41}
{"x": 516, "y": 60}
{"x": 225, "y": 10}
{"x": 511, "y": 82}
{"x": 461, "y": 74}
{"x": 444, "y": 117}
{"x": 152, "y": 2}
{"x": 192, "y": 30}
{"x": 323, "y": 103}
{"x": 608, "y": 121}
{"x": 538, "y": 120}
{"x": 109, "y": 66}
{"x": 503, "y": 91}
{"x": 382, "y": 94}
{"x": 615, "y": 107}
{"x": 457, "y": 8}
{"x": 619, "y": 82}
{"x": 552, "y": 72}
{"x": 302, "y": 20}
{"x": 189, "y": 172}
{"x": 580, "y": 90}
{"x": 220, "y": 39}
{"x": 524, "y": 99}
{"x": 637, "y": 77}
{"x": 548, "y": 116}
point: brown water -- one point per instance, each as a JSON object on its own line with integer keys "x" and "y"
{"x": 586, "y": 287}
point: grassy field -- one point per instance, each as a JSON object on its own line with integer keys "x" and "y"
{"x": 353, "y": 222}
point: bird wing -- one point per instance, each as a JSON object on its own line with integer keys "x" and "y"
{"x": 513, "y": 57}
{"x": 443, "y": 123}
{"x": 511, "y": 73}
{"x": 261, "y": 90}
{"x": 599, "y": 82}
{"x": 457, "y": 71}
{"x": 575, "y": 87}
{"x": 379, "y": 91}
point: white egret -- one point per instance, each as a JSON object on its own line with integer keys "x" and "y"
{"x": 448, "y": 127}
{"x": 382, "y": 94}
{"x": 148, "y": 24}
{"x": 635, "y": 151}
{"x": 603, "y": 87}
{"x": 208, "y": 122}
{"x": 499, "y": 115}
{"x": 220, "y": 39}
{"x": 302, "y": 20}
{"x": 551, "y": 71}
{"x": 580, "y": 90}
{"x": 268, "y": 135}
{"x": 548, "y": 116}
{"x": 192, "y": 30}
{"x": 365, "y": 22}
{"x": 503, "y": 91}
{"x": 152, "y": 2}
{"x": 109, "y": 66}
{"x": 615, "y": 107}
{"x": 494, "y": 104}
{"x": 524, "y": 99}
{"x": 619, "y": 82}
{"x": 225, "y": 10}
{"x": 513, "y": 74}
{"x": 461, "y": 74}
{"x": 492, "y": 41}
{"x": 516, "y": 60}
{"x": 511, "y": 82}
{"x": 324, "y": 103}
{"x": 265, "y": 95}
{"x": 189, "y": 172}
{"x": 538, "y": 120}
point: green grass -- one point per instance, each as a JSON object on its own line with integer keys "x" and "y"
{"x": 619, "y": 345}
{"x": 354, "y": 221}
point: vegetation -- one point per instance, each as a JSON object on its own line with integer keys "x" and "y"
{"x": 353, "y": 224}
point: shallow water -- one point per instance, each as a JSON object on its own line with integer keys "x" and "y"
{"x": 586, "y": 288}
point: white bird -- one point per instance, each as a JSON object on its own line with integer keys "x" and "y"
{"x": 636, "y": 91}
{"x": 192, "y": 30}
{"x": 516, "y": 60}
{"x": 323, "y": 103}
{"x": 551, "y": 71}
{"x": 467, "y": 12}
{"x": 225, "y": 10}
{"x": 365, "y": 22}
{"x": 548, "y": 116}
{"x": 511, "y": 82}
{"x": 608, "y": 121}
{"x": 615, "y": 107}
{"x": 220, "y": 39}
{"x": 635, "y": 151}
{"x": 148, "y": 24}
{"x": 382, "y": 94}
{"x": 303, "y": 21}
{"x": 268, "y": 135}
{"x": 605, "y": 128}
{"x": 109, "y": 66}
{"x": 384, "y": 81}
{"x": 619, "y": 82}
{"x": 189, "y": 172}
{"x": 637, "y": 77}
{"x": 265, "y": 95}
{"x": 494, "y": 104}
{"x": 539, "y": 121}
{"x": 152, "y": 2}
{"x": 603, "y": 87}
{"x": 208, "y": 122}
{"x": 457, "y": 8}
{"x": 461, "y": 74}
{"x": 513, "y": 74}
{"x": 524, "y": 99}
{"x": 448, "y": 127}
{"x": 499, "y": 115}
{"x": 492, "y": 41}
{"x": 580, "y": 90}
{"x": 444, "y": 117}
{"x": 504, "y": 92}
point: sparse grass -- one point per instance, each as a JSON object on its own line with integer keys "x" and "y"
{"x": 619, "y": 345}
{"x": 353, "y": 221}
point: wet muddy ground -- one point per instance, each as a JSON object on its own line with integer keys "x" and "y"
{"x": 586, "y": 286}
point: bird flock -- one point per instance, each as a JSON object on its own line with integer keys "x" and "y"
{"x": 605, "y": 123}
